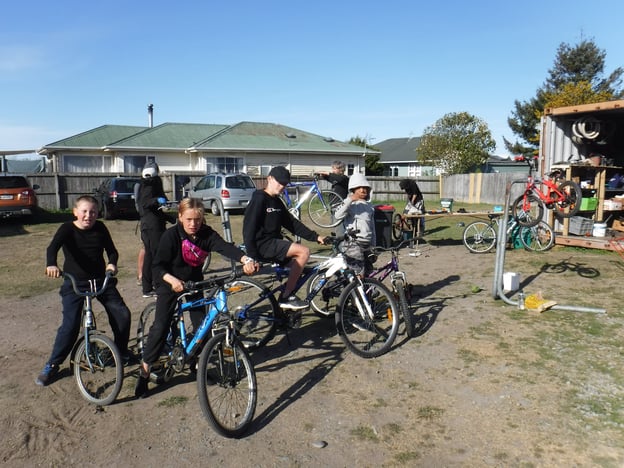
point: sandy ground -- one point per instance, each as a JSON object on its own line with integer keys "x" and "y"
{"x": 481, "y": 384}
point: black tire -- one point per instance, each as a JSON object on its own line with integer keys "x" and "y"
{"x": 571, "y": 204}
{"x": 226, "y": 383}
{"x": 322, "y": 214}
{"x": 367, "y": 336}
{"x": 538, "y": 238}
{"x": 325, "y": 301}
{"x": 479, "y": 237}
{"x": 98, "y": 370}
{"x": 404, "y": 304}
{"x": 255, "y": 309}
{"x": 146, "y": 319}
{"x": 214, "y": 208}
{"x": 530, "y": 213}
{"x": 397, "y": 227}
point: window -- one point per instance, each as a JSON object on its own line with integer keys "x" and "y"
{"x": 350, "y": 169}
{"x": 226, "y": 165}
{"x": 135, "y": 164}
{"x": 86, "y": 164}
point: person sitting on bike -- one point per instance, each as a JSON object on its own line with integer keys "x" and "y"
{"x": 415, "y": 201}
{"x": 180, "y": 257}
{"x": 359, "y": 215}
{"x": 265, "y": 216}
{"x": 84, "y": 241}
{"x": 337, "y": 178}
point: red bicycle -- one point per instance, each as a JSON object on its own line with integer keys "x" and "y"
{"x": 552, "y": 192}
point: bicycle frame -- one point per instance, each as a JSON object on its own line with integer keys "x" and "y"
{"x": 534, "y": 185}
{"x": 314, "y": 190}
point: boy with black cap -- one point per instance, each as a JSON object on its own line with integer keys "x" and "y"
{"x": 265, "y": 216}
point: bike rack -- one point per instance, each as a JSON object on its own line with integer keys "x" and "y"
{"x": 501, "y": 242}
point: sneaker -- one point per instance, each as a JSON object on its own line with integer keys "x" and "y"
{"x": 292, "y": 303}
{"x": 149, "y": 294}
{"x": 47, "y": 374}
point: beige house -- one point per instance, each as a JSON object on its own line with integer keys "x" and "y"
{"x": 197, "y": 149}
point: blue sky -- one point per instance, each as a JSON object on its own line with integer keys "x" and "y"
{"x": 377, "y": 70}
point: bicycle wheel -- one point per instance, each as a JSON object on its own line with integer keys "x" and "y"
{"x": 528, "y": 210}
{"x": 145, "y": 322}
{"x": 226, "y": 383}
{"x": 479, "y": 237}
{"x": 321, "y": 212}
{"x": 571, "y": 203}
{"x": 98, "y": 369}
{"x": 255, "y": 310}
{"x": 397, "y": 227}
{"x": 400, "y": 290}
{"x": 537, "y": 238}
{"x": 367, "y": 318}
{"x": 325, "y": 301}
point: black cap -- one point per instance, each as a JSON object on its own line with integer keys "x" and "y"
{"x": 281, "y": 174}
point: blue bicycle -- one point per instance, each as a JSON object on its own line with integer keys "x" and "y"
{"x": 226, "y": 378}
{"x": 322, "y": 204}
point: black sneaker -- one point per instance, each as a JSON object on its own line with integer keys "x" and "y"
{"x": 149, "y": 294}
{"x": 141, "y": 388}
{"x": 47, "y": 374}
{"x": 292, "y": 303}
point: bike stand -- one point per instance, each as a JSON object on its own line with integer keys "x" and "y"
{"x": 501, "y": 244}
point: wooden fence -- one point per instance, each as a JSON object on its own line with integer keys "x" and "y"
{"x": 58, "y": 191}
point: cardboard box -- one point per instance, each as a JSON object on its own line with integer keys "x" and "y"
{"x": 618, "y": 225}
{"x": 612, "y": 205}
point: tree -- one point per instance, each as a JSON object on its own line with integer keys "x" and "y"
{"x": 457, "y": 143}
{"x": 577, "y": 77}
{"x": 371, "y": 161}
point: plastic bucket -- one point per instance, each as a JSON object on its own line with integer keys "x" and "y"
{"x": 511, "y": 281}
{"x": 600, "y": 230}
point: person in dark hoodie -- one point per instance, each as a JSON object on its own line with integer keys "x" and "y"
{"x": 151, "y": 202}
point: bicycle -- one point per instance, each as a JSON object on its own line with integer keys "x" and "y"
{"x": 400, "y": 225}
{"x": 564, "y": 197}
{"x": 95, "y": 358}
{"x": 366, "y": 315}
{"x": 321, "y": 206}
{"x": 481, "y": 236}
{"x": 226, "y": 378}
{"x": 398, "y": 280}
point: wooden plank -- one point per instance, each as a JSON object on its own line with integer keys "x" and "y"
{"x": 587, "y": 242}
{"x": 597, "y": 106}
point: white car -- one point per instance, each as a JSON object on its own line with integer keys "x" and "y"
{"x": 234, "y": 191}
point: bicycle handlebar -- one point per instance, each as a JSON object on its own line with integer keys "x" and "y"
{"x": 213, "y": 282}
{"x": 93, "y": 293}
{"x": 395, "y": 248}
{"x": 335, "y": 240}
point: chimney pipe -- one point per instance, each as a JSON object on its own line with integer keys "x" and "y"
{"x": 150, "y": 115}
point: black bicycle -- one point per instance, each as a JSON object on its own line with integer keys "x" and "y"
{"x": 95, "y": 358}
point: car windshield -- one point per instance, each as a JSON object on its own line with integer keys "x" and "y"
{"x": 13, "y": 182}
{"x": 125, "y": 185}
{"x": 240, "y": 182}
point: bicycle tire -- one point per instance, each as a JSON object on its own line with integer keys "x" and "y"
{"x": 145, "y": 322}
{"x": 101, "y": 385}
{"x": 571, "y": 204}
{"x": 322, "y": 213}
{"x": 397, "y": 227}
{"x": 255, "y": 310}
{"x": 479, "y": 237}
{"x": 538, "y": 238}
{"x": 365, "y": 336}
{"x": 227, "y": 388}
{"x": 325, "y": 301}
{"x": 528, "y": 214}
{"x": 400, "y": 288}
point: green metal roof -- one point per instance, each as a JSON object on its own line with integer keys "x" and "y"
{"x": 95, "y": 138}
{"x": 259, "y": 136}
{"x": 398, "y": 149}
{"x": 169, "y": 135}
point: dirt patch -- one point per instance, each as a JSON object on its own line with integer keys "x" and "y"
{"x": 482, "y": 383}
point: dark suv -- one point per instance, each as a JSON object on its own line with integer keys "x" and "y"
{"x": 17, "y": 197}
{"x": 116, "y": 197}
{"x": 234, "y": 191}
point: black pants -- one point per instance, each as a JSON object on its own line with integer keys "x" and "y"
{"x": 150, "y": 238}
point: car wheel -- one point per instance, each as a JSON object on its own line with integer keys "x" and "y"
{"x": 214, "y": 208}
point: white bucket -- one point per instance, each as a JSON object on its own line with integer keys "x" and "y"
{"x": 600, "y": 230}
{"x": 511, "y": 281}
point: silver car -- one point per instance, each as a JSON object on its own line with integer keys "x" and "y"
{"x": 234, "y": 191}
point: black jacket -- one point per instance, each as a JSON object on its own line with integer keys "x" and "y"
{"x": 152, "y": 217}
